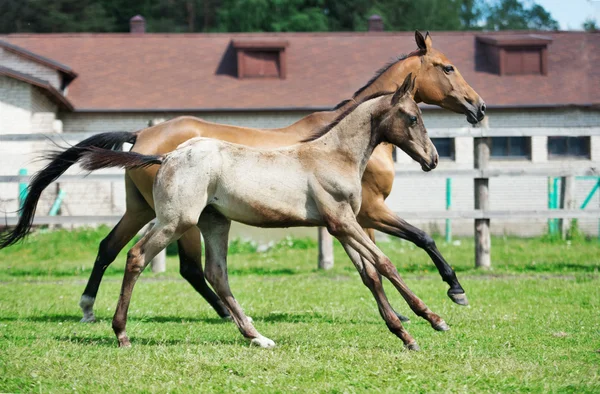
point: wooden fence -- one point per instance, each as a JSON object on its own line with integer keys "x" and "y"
{"x": 481, "y": 173}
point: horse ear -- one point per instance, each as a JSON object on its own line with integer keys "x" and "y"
{"x": 428, "y": 43}
{"x": 404, "y": 89}
{"x": 420, "y": 40}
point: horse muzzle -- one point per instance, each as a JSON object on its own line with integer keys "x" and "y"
{"x": 428, "y": 165}
{"x": 476, "y": 112}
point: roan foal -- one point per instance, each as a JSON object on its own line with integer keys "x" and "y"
{"x": 209, "y": 183}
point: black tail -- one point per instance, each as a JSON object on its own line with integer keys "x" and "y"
{"x": 95, "y": 158}
{"x": 61, "y": 161}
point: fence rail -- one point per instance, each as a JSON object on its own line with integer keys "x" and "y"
{"x": 423, "y": 215}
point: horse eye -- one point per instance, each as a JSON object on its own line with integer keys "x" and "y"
{"x": 448, "y": 69}
{"x": 413, "y": 119}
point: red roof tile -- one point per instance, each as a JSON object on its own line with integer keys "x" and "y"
{"x": 197, "y": 71}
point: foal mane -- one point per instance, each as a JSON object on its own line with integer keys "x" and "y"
{"x": 327, "y": 128}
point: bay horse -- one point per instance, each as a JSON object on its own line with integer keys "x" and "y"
{"x": 207, "y": 183}
{"x": 438, "y": 82}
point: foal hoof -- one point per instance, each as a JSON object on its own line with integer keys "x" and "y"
{"x": 88, "y": 319}
{"x": 402, "y": 318}
{"x": 263, "y": 342}
{"x": 440, "y": 326}
{"x": 413, "y": 346}
{"x": 460, "y": 299}
{"x": 124, "y": 342}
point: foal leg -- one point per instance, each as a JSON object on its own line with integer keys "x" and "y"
{"x": 138, "y": 258}
{"x": 215, "y": 228}
{"x": 190, "y": 267}
{"x": 378, "y": 216}
{"x": 372, "y": 279}
{"x": 364, "y": 271}
{"x": 348, "y": 231}
{"x": 109, "y": 248}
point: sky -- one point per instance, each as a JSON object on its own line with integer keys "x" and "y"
{"x": 571, "y": 14}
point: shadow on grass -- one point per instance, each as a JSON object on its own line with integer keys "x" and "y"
{"x": 262, "y": 271}
{"x": 62, "y": 318}
{"x": 276, "y": 317}
{"x": 111, "y": 341}
{"x": 58, "y": 273}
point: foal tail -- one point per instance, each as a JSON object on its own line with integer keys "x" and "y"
{"x": 60, "y": 162}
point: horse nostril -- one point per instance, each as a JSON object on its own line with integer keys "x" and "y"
{"x": 483, "y": 108}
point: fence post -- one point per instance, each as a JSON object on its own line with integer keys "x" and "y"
{"x": 22, "y": 188}
{"x": 448, "y": 206}
{"x": 567, "y": 201}
{"x": 483, "y": 241}
{"x": 325, "y": 249}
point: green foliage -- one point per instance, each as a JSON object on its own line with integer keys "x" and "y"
{"x": 269, "y": 15}
{"x": 512, "y": 15}
{"x": 590, "y": 25}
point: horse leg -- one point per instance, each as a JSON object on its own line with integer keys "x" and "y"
{"x": 138, "y": 258}
{"x": 364, "y": 271}
{"x": 372, "y": 279}
{"x": 215, "y": 228}
{"x": 109, "y": 248}
{"x": 380, "y": 217}
{"x": 347, "y": 230}
{"x": 190, "y": 267}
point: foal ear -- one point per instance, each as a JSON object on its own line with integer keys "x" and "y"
{"x": 420, "y": 40}
{"x": 405, "y": 88}
{"x": 428, "y": 43}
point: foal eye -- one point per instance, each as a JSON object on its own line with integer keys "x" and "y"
{"x": 413, "y": 119}
{"x": 448, "y": 69}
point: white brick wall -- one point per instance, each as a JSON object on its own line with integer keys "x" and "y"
{"x": 408, "y": 193}
{"x": 29, "y": 67}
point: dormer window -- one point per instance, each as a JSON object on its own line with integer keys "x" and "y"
{"x": 514, "y": 54}
{"x": 261, "y": 59}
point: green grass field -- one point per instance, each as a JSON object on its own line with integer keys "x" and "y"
{"x": 533, "y": 324}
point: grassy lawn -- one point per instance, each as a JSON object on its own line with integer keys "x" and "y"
{"x": 533, "y": 324}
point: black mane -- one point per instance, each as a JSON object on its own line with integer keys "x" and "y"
{"x": 384, "y": 69}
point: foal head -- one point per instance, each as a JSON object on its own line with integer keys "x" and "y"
{"x": 400, "y": 123}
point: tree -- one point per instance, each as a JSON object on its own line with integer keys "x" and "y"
{"x": 590, "y": 25}
{"x": 471, "y": 13}
{"x": 271, "y": 15}
{"x": 512, "y": 15}
{"x": 53, "y": 16}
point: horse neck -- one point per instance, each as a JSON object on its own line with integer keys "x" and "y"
{"x": 354, "y": 137}
{"x": 392, "y": 78}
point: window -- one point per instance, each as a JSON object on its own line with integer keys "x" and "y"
{"x": 445, "y": 147}
{"x": 511, "y": 148}
{"x": 513, "y": 54}
{"x": 565, "y": 147}
{"x": 522, "y": 61}
{"x": 261, "y": 59}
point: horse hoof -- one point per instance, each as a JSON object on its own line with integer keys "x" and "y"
{"x": 88, "y": 319}
{"x": 460, "y": 299}
{"x": 440, "y": 326}
{"x": 413, "y": 346}
{"x": 403, "y": 318}
{"x": 124, "y": 343}
{"x": 263, "y": 342}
